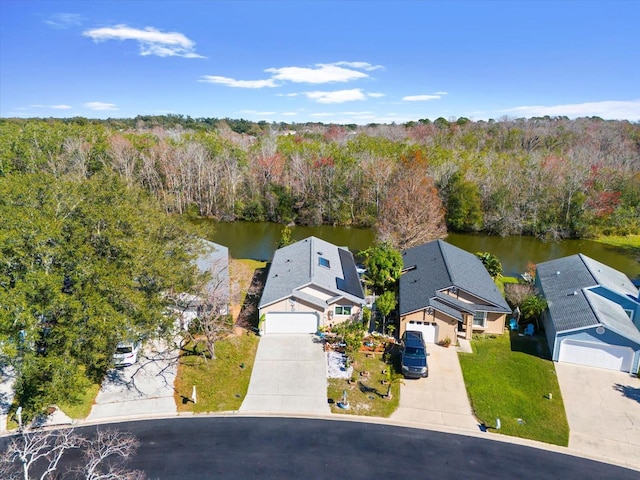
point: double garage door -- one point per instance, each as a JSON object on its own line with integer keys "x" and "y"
{"x": 429, "y": 331}
{"x": 612, "y": 357}
{"x": 293, "y": 322}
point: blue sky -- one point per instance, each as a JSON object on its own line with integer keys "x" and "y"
{"x": 328, "y": 61}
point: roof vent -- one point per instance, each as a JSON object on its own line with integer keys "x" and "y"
{"x": 572, "y": 294}
{"x": 558, "y": 273}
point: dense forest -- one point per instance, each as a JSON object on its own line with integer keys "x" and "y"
{"x": 548, "y": 177}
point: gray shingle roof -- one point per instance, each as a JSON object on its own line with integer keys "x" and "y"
{"x": 297, "y": 265}
{"x": 215, "y": 259}
{"x": 440, "y": 265}
{"x": 565, "y": 283}
{"x": 610, "y": 277}
{"x": 613, "y": 316}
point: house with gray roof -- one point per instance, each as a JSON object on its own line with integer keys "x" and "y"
{"x": 212, "y": 263}
{"x": 445, "y": 290}
{"x": 593, "y": 314}
{"x": 311, "y": 284}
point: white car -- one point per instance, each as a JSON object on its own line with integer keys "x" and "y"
{"x": 126, "y": 353}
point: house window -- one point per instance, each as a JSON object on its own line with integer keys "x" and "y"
{"x": 323, "y": 262}
{"x": 343, "y": 310}
{"x": 480, "y": 319}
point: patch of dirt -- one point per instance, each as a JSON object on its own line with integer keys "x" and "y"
{"x": 248, "y": 283}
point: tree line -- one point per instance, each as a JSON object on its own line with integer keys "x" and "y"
{"x": 548, "y": 177}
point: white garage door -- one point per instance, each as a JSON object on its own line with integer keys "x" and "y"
{"x": 293, "y": 322}
{"x": 612, "y": 357}
{"x": 429, "y": 331}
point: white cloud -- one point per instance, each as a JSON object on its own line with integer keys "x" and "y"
{"x": 421, "y": 98}
{"x": 64, "y": 20}
{"x": 150, "y": 40}
{"x": 289, "y": 114}
{"x": 441, "y": 93}
{"x": 375, "y": 95}
{"x": 338, "y": 96}
{"x": 321, "y": 114}
{"x": 287, "y": 94}
{"x": 231, "y": 82}
{"x": 55, "y": 107}
{"x": 323, "y": 73}
{"x": 610, "y": 110}
{"x": 360, "y": 65}
{"x": 100, "y": 106}
{"x": 319, "y": 73}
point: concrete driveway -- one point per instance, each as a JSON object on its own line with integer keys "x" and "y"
{"x": 145, "y": 388}
{"x": 441, "y": 399}
{"x": 289, "y": 376}
{"x": 603, "y": 410}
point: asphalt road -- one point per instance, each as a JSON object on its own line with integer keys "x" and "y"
{"x": 287, "y": 448}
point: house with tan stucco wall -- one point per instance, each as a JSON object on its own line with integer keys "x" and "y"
{"x": 445, "y": 290}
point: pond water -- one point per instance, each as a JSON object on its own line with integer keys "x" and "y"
{"x": 258, "y": 240}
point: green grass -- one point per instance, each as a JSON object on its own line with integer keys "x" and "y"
{"x": 508, "y": 378}
{"x": 627, "y": 242}
{"x": 500, "y": 281}
{"x": 366, "y": 395}
{"x": 221, "y": 384}
{"x": 83, "y": 407}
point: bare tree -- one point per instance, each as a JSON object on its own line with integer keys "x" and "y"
{"x": 38, "y": 454}
{"x": 104, "y": 456}
{"x": 42, "y": 448}
{"x": 412, "y": 212}
{"x": 214, "y": 321}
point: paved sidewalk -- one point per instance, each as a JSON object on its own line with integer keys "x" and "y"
{"x": 7, "y": 381}
{"x": 441, "y": 399}
{"x": 289, "y": 376}
{"x": 603, "y": 410}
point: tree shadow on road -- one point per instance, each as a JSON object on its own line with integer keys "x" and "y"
{"x": 627, "y": 391}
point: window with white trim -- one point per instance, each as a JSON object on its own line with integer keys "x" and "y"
{"x": 480, "y": 319}
{"x": 343, "y": 310}
{"x": 323, "y": 262}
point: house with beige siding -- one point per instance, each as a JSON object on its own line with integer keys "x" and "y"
{"x": 311, "y": 284}
{"x": 445, "y": 290}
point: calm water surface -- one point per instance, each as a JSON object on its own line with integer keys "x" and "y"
{"x": 259, "y": 240}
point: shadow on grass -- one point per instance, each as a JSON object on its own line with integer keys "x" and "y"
{"x": 248, "y": 316}
{"x": 535, "y": 345}
{"x": 624, "y": 249}
{"x": 627, "y": 391}
{"x": 367, "y": 389}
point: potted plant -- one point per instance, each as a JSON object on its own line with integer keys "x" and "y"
{"x": 446, "y": 342}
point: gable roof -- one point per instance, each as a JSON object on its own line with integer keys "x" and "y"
{"x": 299, "y": 265}
{"x": 438, "y": 265}
{"x": 567, "y": 285}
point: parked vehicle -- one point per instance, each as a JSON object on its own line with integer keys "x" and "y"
{"x": 126, "y": 353}
{"x": 414, "y": 355}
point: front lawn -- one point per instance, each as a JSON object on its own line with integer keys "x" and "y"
{"x": 366, "y": 393}
{"x": 82, "y": 408}
{"x": 510, "y": 377}
{"x": 221, "y": 384}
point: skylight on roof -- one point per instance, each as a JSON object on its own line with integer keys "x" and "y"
{"x": 323, "y": 262}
